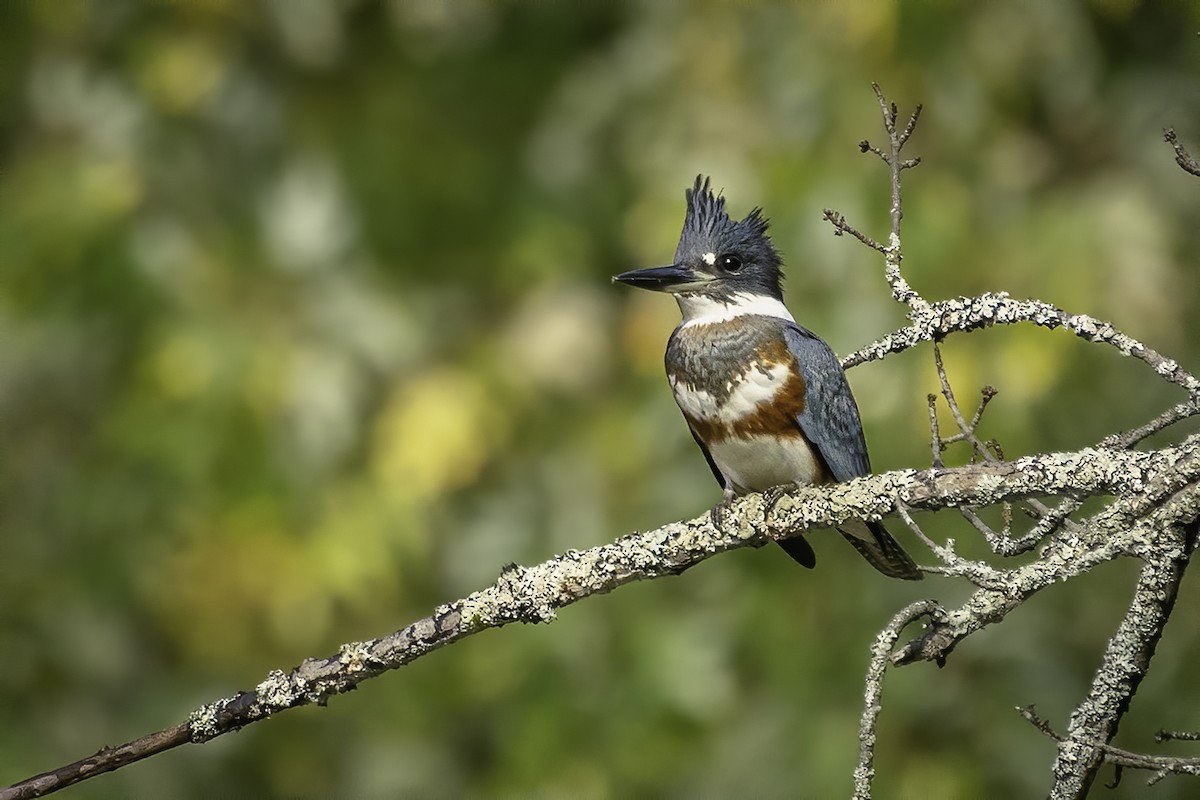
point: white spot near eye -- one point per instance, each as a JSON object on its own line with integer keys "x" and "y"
{"x": 710, "y": 258}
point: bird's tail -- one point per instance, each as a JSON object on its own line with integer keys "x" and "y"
{"x": 880, "y": 550}
{"x": 799, "y": 549}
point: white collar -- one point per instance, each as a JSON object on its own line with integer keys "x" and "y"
{"x": 700, "y": 309}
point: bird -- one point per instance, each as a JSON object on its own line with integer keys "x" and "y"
{"x": 765, "y": 398}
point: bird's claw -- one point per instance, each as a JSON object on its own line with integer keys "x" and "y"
{"x": 772, "y": 496}
{"x": 716, "y": 514}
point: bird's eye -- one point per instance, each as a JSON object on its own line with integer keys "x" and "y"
{"x": 730, "y": 263}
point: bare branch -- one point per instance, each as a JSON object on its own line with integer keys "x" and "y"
{"x": 105, "y": 760}
{"x": 966, "y": 429}
{"x": 901, "y": 291}
{"x": 976, "y": 572}
{"x": 1182, "y": 157}
{"x": 936, "y": 442}
{"x": 841, "y": 226}
{"x": 1029, "y": 712}
{"x": 1120, "y": 758}
{"x": 1164, "y": 420}
{"x": 866, "y": 147}
{"x": 1002, "y": 542}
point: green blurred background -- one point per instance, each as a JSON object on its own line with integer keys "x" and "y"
{"x": 307, "y": 327}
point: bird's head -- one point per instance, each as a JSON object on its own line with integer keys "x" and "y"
{"x": 718, "y": 258}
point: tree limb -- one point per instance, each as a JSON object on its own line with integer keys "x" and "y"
{"x": 997, "y": 308}
{"x": 1147, "y": 522}
{"x": 880, "y": 652}
{"x": 534, "y": 594}
{"x": 1126, "y": 659}
{"x": 1121, "y": 758}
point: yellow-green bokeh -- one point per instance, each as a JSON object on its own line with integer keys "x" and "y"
{"x": 306, "y": 327}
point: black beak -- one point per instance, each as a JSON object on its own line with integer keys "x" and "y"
{"x": 659, "y": 279}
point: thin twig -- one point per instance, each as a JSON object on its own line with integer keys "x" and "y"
{"x": 1001, "y": 542}
{"x": 966, "y": 429}
{"x": 892, "y": 251}
{"x": 935, "y": 434}
{"x": 976, "y": 572}
{"x": 840, "y": 226}
{"x": 1050, "y": 520}
{"x": 901, "y": 291}
{"x": 1182, "y": 157}
{"x": 1164, "y": 420}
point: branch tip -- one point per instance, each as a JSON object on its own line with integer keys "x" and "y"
{"x": 1182, "y": 157}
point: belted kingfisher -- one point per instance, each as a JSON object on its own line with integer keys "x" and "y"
{"x": 765, "y": 398}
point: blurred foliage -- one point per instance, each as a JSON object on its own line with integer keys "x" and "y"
{"x": 307, "y": 327}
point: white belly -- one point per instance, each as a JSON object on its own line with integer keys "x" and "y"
{"x": 760, "y": 462}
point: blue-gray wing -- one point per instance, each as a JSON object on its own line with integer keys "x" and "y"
{"x": 830, "y": 418}
{"x": 830, "y": 421}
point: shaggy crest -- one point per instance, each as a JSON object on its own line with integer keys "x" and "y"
{"x": 706, "y": 216}
{"x": 708, "y": 229}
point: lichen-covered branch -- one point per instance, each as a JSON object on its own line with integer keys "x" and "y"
{"x": 1155, "y": 522}
{"x": 962, "y": 314}
{"x": 1119, "y": 757}
{"x": 1127, "y": 656}
{"x": 1125, "y": 528}
{"x": 881, "y": 651}
{"x": 534, "y": 594}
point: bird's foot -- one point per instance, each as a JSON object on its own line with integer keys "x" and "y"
{"x": 772, "y": 496}
{"x": 797, "y": 546}
{"x": 717, "y": 513}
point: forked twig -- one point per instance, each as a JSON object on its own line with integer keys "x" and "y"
{"x": 897, "y": 139}
{"x": 1120, "y": 758}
